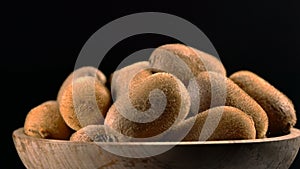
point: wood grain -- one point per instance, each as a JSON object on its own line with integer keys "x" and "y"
{"x": 277, "y": 152}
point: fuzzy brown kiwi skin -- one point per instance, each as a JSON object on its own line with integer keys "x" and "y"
{"x": 81, "y": 72}
{"x": 184, "y": 61}
{"x": 279, "y": 108}
{"x": 121, "y": 78}
{"x": 233, "y": 124}
{"x": 84, "y": 102}
{"x": 97, "y": 133}
{"x": 83, "y": 135}
{"x": 45, "y": 121}
{"x": 233, "y": 96}
{"x": 138, "y": 94}
{"x": 211, "y": 63}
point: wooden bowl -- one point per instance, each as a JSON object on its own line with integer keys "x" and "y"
{"x": 276, "y": 152}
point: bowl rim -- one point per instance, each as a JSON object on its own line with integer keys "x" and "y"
{"x": 294, "y": 133}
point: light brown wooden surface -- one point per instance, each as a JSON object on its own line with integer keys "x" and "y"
{"x": 269, "y": 153}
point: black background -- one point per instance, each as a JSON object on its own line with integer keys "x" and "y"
{"x": 41, "y": 41}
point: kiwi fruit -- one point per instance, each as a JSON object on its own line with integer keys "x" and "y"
{"x": 45, "y": 121}
{"x": 184, "y": 62}
{"x": 121, "y": 78}
{"x": 94, "y": 133}
{"x": 218, "y": 90}
{"x": 81, "y": 72}
{"x": 279, "y": 108}
{"x": 214, "y": 124}
{"x": 210, "y": 62}
{"x": 84, "y": 102}
{"x": 153, "y": 104}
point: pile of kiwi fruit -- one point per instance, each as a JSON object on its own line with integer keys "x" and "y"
{"x": 179, "y": 94}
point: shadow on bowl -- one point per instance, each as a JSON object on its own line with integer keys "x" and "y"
{"x": 268, "y": 153}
